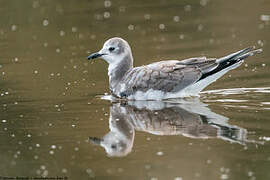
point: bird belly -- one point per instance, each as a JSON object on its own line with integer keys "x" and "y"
{"x": 150, "y": 94}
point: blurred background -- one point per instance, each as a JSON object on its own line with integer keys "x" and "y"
{"x": 48, "y": 90}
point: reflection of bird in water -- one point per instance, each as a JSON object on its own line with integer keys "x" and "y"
{"x": 191, "y": 119}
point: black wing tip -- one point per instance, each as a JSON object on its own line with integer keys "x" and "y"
{"x": 257, "y": 51}
{"x": 227, "y": 61}
{"x": 252, "y": 49}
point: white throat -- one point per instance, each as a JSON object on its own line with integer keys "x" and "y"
{"x": 115, "y": 62}
{"x": 112, "y": 67}
{"x": 119, "y": 65}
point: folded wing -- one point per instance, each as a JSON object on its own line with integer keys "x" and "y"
{"x": 167, "y": 76}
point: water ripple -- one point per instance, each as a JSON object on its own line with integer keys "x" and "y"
{"x": 238, "y": 91}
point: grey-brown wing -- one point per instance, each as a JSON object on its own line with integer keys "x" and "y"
{"x": 204, "y": 64}
{"x": 167, "y": 76}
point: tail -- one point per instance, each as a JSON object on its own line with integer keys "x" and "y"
{"x": 231, "y": 60}
{"x": 223, "y": 65}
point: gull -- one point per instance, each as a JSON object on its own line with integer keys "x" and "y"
{"x": 164, "y": 79}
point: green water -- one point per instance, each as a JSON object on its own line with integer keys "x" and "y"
{"x": 50, "y": 95}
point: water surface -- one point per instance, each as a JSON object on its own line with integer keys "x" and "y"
{"x": 50, "y": 95}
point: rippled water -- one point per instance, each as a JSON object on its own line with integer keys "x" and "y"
{"x": 51, "y": 97}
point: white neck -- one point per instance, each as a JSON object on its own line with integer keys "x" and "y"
{"x": 117, "y": 69}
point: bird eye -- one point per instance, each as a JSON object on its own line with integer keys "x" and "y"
{"x": 111, "y": 49}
